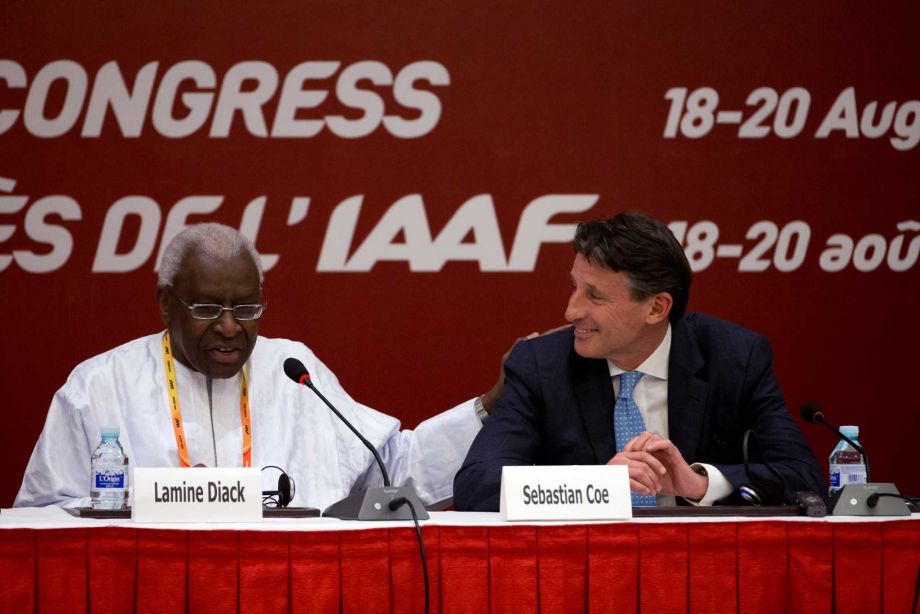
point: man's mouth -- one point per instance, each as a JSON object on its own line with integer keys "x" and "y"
{"x": 224, "y": 354}
{"x": 581, "y": 331}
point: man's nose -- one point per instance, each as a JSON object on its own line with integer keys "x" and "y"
{"x": 574, "y": 310}
{"x": 226, "y": 324}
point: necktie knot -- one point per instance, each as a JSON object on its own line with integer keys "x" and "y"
{"x": 628, "y": 381}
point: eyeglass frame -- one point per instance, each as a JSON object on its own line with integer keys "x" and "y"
{"x": 263, "y": 306}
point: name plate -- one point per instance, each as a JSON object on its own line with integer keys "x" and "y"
{"x": 197, "y": 494}
{"x": 575, "y": 492}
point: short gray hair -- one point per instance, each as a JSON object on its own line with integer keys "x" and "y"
{"x": 209, "y": 239}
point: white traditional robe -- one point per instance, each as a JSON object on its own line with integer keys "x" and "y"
{"x": 291, "y": 428}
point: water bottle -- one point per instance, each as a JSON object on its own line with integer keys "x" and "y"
{"x": 109, "y": 469}
{"x": 847, "y": 466}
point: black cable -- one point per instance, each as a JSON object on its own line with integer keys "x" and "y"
{"x": 395, "y": 504}
{"x": 872, "y": 500}
{"x": 916, "y": 591}
{"x": 759, "y": 490}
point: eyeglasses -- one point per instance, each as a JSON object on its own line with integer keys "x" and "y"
{"x": 212, "y": 312}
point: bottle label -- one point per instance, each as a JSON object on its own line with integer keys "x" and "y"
{"x": 835, "y": 479}
{"x": 110, "y": 479}
{"x": 852, "y": 474}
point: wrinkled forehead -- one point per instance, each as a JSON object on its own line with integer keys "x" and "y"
{"x": 207, "y": 275}
{"x": 586, "y": 266}
{"x": 598, "y": 274}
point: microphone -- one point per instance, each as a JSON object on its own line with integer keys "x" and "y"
{"x": 285, "y": 492}
{"x": 811, "y": 413}
{"x": 372, "y": 503}
{"x": 858, "y": 499}
{"x": 295, "y": 370}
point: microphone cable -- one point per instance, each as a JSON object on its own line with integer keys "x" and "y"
{"x": 756, "y": 493}
{"x": 395, "y": 504}
{"x": 872, "y": 500}
{"x": 916, "y": 591}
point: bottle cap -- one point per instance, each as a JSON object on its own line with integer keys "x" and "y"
{"x": 850, "y": 431}
{"x": 109, "y": 432}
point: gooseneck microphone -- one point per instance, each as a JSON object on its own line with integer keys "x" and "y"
{"x": 372, "y": 503}
{"x": 859, "y": 499}
{"x": 812, "y": 414}
{"x": 375, "y": 503}
{"x": 296, "y": 370}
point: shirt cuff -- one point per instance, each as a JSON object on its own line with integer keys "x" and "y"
{"x": 719, "y": 487}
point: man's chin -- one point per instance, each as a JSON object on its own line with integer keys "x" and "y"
{"x": 222, "y": 367}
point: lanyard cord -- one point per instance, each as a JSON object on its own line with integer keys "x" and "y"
{"x": 173, "y": 390}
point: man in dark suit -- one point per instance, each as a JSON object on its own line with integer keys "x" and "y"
{"x": 636, "y": 382}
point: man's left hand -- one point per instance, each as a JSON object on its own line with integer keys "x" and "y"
{"x": 680, "y": 479}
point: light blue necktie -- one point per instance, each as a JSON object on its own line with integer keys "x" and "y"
{"x": 628, "y": 423}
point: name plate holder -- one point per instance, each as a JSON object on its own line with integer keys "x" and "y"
{"x": 197, "y": 494}
{"x": 574, "y": 492}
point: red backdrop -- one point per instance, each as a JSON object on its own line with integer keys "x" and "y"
{"x": 790, "y": 131}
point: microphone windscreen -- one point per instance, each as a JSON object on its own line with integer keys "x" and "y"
{"x": 284, "y": 489}
{"x": 811, "y": 412}
{"x": 295, "y": 370}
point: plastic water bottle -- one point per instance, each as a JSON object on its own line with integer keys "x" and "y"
{"x": 847, "y": 466}
{"x": 109, "y": 468}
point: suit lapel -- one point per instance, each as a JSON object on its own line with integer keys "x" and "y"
{"x": 595, "y": 400}
{"x": 686, "y": 391}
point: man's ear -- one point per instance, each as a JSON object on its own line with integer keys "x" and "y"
{"x": 661, "y": 308}
{"x": 163, "y": 305}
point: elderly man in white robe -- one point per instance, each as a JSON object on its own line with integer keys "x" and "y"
{"x": 210, "y": 297}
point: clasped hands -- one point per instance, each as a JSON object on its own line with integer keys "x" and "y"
{"x": 656, "y": 466}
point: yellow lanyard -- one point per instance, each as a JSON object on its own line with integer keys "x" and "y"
{"x": 173, "y": 390}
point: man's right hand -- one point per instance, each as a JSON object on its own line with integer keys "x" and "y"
{"x": 645, "y": 471}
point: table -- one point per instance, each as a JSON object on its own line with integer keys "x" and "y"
{"x": 51, "y": 562}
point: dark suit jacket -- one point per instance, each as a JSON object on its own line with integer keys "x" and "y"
{"x": 557, "y": 409}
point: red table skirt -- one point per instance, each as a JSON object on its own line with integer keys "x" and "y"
{"x": 745, "y": 567}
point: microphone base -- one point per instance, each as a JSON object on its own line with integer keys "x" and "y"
{"x": 374, "y": 504}
{"x": 851, "y": 501}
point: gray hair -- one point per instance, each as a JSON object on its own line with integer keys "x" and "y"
{"x": 208, "y": 239}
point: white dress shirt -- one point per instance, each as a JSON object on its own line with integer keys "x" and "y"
{"x": 651, "y": 396}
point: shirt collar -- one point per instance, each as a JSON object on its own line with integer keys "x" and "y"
{"x": 656, "y": 364}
